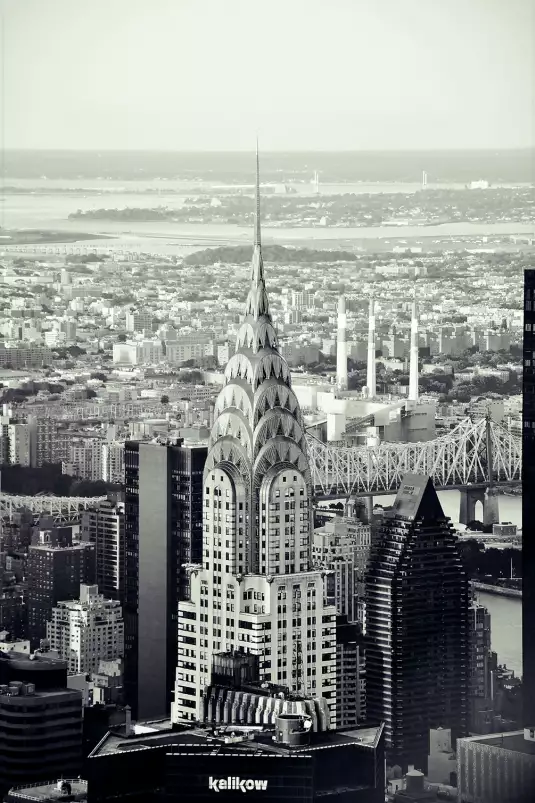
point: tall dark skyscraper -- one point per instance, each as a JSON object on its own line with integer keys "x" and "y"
{"x": 528, "y": 504}
{"x": 56, "y": 569}
{"x": 104, "y": 527}
{"x": 163, "y": 532}
{"x": 417, "y": 671}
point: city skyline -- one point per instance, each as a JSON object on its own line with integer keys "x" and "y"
{"x": 266, "y": 440}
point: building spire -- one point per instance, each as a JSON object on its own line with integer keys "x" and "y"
{"x": 257, "y": 302}
{"x": 257, "y": 232}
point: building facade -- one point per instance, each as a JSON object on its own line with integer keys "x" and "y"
{"x": 163, "y": 533}
{"x": 496, "y": 769}
{"x": 104, "y": 527}
{"x": 350, "y": 674}
{"x": 56, "y": 568}
{"x": 417, "y": 662}
{"x": 286, "y": 762}
{"x": 256, "y": 587}
{"x": 481, "y": 666}
{"x": 342, "y": 546}
{"x": 528, "y": 502}
{"x": 86, "y": 631}
{"x": 40, "y": 721}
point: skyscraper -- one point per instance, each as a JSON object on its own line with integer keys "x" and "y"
{"x": 417, "y": 672}
{"x": 350, "y": 674}
{"x": 255, "y": 588}
{"x": 481, "y": 663}
{"x": 103, "y": 526}
{"x": 56, "y": 568}
{"x": 528, "y": 505}
{"x": 163, "y": 532}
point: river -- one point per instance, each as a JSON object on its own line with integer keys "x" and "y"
{"x": 505, "y": 612}
{"x": 51, "y": 211}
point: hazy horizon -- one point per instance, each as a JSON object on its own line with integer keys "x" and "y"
{"x": 287, "y": 151}
{"x": 207, "y": 76}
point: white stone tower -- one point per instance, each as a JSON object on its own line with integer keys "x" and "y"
{"x": 256, "y": 589}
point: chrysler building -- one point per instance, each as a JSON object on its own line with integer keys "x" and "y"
{"x": 255, "y": 589}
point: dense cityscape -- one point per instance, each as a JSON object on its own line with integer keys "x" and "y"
{"x": 267, "y": 424}
{"x": 129, "y": 411}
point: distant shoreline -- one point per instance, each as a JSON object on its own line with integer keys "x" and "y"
{"x": 499, "y": 591}
{"x": 42, "y": 237}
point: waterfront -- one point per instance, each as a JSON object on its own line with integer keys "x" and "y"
{"x": 506, "y": 629}
{"x": 51, "y": 211}
{"x": 506, "y": 613}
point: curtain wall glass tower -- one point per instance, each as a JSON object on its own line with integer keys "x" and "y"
{"x": 528, "y": 507}
{"x": 255, "y": 588}
{"x": 417, "y": 667}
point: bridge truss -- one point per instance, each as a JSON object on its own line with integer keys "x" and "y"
{"x": 74, "y": 249}
{"x": 63, "y": 509}
{"x": 459, "y": 458}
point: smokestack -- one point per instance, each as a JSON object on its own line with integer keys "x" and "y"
{"x": 413, "y": 370}
{"x": 341, "y": 346}
{"x": 371, "y": 382}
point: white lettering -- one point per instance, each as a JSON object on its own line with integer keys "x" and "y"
{"x": 239, "y": 784}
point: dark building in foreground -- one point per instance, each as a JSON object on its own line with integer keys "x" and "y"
{"x": 40, "y": 721}
{"x": 286, "y": 763}
{"x": 497, "y": 768}
{"x": 350, "y": 674}
{"x": 163, "y": 531}
{"x": 528, "y": 504}
{"x": 72, "y": 790}
{"x": 417, "y": 664}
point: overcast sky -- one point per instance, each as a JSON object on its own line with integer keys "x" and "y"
{"x": 305, "y": 74}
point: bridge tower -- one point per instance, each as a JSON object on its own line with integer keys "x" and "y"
{"x": 488, "y": 495}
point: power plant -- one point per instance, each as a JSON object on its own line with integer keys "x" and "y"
{"x": 367, "y": 417}
{"x": 371, "y": 380}
{"x": 413, "y": 356}
{"x": 341, "y": 346}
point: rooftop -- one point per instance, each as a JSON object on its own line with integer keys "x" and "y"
{"x": 50, "y": 791}
{"x": 160, "y": 734}
{"x": 513, "y": 741}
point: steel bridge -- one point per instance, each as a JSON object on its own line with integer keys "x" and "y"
{"x": 74, "y": 249}
{"x": 478, "y": 452}
{"x": 63, "y": 509}
{"x": 459, "y": 459}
